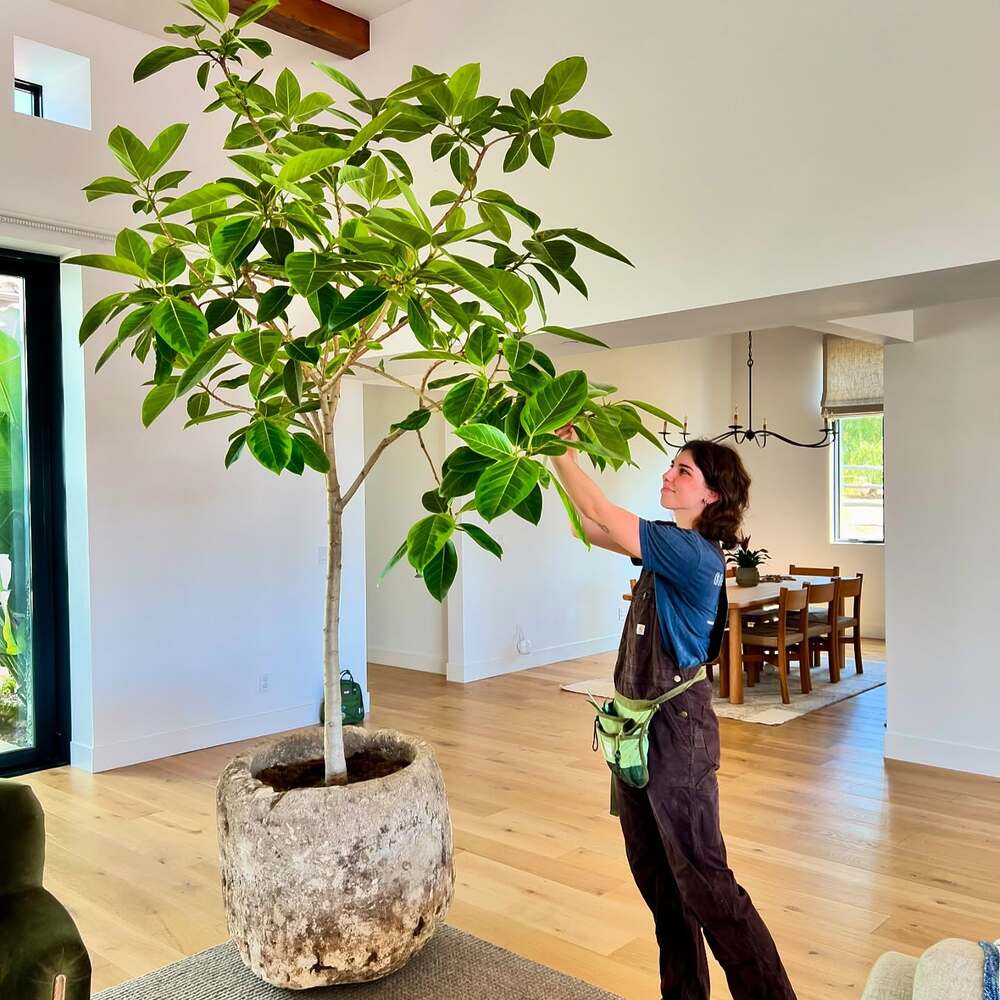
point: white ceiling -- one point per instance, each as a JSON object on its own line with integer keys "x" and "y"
{"x": 151, "y": 15}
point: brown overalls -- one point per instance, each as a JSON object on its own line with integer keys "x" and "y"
{"x": 672, "y": 836}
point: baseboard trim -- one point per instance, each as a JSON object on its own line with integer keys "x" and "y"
{"x": 106, "y": 756}
{"x": 943, "y": 754}
{"x": 407, "y": 660}
{"x": 478, "y": 670}
{"x": 81, "y": 755}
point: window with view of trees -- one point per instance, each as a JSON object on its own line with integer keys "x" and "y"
{"x": 859, "y": 479}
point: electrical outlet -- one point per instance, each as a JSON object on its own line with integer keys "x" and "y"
{"x": 263, "y": 683}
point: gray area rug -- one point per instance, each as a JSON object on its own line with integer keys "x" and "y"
{"x": 762, "y": 704}
{"x": 454, "y": 966}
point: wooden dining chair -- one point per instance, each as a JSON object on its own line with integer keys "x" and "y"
{"x": 849, "y": 590}
{"x": 820, "y": 627}
{"x": 770, "y": 642}
{"x": 794, "y": 570}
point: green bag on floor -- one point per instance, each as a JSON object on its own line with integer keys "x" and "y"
{"x": 352, "y": 701}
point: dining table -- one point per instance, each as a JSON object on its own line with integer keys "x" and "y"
{"x": 744, "y": 599}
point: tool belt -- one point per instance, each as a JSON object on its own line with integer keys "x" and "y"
{"x": 621, "y": 733}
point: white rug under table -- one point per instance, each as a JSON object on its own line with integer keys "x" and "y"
{"x": 762, "y": 703}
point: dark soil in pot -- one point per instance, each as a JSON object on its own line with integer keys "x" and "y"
{"x": 363, "y": 766}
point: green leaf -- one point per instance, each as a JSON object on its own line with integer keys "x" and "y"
{"x": 482, "y": 346}
{"x": 270, "y": 444}
{"x": 414, "y": 421}
{"x": 486, "y": 440}
{"x": 308, "y": 163}
{"x": 419, "y": 323}
{"x": 104, "y": 186}
{"x": 220, "y": 311}
{"x": 198, "y": 404}
{"x": 543, "y": 147}
{"x": 287, "y": 92}
{"x": 556, "y": 404}
{"x": 255, "y": 12}
{"x": 181, "y": 325}
{"x": 567, "y": 334}
{"x": 482, "y": 539}
{"x": 439, "y": 573}
{"x": 291, "y": 379}
{"x": 165, "y": 145}
{"x": 214, "y": 10}
{"x": 427, "y": 537}
{"x": 583, "y": 125}
{"x": 464, "y": 400}
{"x": 273, "y": 303}
{"x": 233, "y": 237}
{"x": 504, "y": 485}
{"x": 170, "y": 180}
{"x": 517, "y": 352}
{"x": 517, "y": 154}
{"x": 516, "y": 291}
{"x": 312, "y": 453}
{"x": 372, "y": 129}
{"x": 360, "y": 303}
{"x": 257, "y": 346}
{"x": 209, "y": 356}
{"x": 572, "y": 513}
{"x": 161, "y": 58}
{"x": 310, "y": 271}
{"x": 505, "y": 202}
{"x": 345, "y": 81}
{"x": 388, "y": 222}
{"x": 464, "y": 84}
{"x": 656, "y": 412}
{"x": 530, "y": 508}
{"x": 156, "y": 401}
{"x": 99, "y": 313}
{"x": 563, "y": 81}
{"x": 107, "y": 262}
{"x": 396, "y": 556}
{"x": 497, "y": 221}
{"x": 133, "y": 246}
{"x": 585, "y": 240}
{"x": 166, "y": 265}
{"x": 200, "y": 197}
{"x": 278, "y": 243}
{"x": 235, "y": 450}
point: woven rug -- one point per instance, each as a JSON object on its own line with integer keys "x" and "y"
{"x": 762, "y": 704}
{"x": 453, "y": 965}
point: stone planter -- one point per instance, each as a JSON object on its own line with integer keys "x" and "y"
{"x": 747, "y": 576}
{"x": 334, "y": 885}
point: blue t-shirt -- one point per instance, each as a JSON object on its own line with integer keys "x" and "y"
{"x": 689, "y": 570}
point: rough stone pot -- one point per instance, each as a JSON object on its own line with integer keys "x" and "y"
{"x": 334, "y": 885}
{"x": 747, "y": 576}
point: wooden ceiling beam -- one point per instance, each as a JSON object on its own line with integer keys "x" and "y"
{"x": 318, "y": 23}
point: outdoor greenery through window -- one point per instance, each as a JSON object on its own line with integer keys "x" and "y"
{"x": 859, "y": 480}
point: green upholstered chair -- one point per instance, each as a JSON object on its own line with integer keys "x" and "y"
{"x": 42, "y": 956}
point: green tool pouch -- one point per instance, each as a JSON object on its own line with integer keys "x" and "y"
{"x": 621, "y": 733}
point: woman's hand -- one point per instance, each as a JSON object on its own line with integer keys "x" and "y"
{"x": 567, "y": 434}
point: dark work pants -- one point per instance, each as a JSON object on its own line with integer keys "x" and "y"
{"x": 678, "y": 859}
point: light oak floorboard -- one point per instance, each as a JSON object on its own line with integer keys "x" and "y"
{"x": 845, "y": 855}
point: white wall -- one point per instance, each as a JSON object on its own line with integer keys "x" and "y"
{"x": 791, "y": 492}
{"x": 759, "y": 148}
{"x": 199, "y": 579}
{"x": 406, "y": 626}
{"x": 944, "y": 466}
{"x": 567, "y": 600}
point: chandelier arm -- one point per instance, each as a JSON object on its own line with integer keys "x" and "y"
{"x": 825, "y": 441}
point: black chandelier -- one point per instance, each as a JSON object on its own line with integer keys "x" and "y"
{"x": 741, "y": 434}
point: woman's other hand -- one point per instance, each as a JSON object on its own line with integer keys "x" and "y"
{"x": 567, "y": 434}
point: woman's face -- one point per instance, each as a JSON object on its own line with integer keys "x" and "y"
{"x": 684, "y": 486}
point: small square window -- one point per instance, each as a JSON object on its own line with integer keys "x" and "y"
{"x": 28, "y": 98}
{"x": 859, "y": 479}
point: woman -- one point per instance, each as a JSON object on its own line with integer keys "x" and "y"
{"x": 671, "y": 827}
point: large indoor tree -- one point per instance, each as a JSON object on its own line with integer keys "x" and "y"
{"x": 320, "y": 209}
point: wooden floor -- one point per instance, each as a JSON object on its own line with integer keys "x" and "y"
{"x": 846, "y": 856}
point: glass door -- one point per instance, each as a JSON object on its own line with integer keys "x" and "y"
{"x": 34, "y": 690}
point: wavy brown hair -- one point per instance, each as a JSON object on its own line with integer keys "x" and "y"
{"x": 726, "y": 475}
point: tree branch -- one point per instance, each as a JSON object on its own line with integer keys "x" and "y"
{"x": 369, "y": 465}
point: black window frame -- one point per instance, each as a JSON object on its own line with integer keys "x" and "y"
{"x": 37, "y": 99}
{"x": 49, "y": 573}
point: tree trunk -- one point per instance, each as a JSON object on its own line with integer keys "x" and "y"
{"x": 333, "y": 731}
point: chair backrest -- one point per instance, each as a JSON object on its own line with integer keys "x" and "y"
{"x": 730, "y": 571}
{"x": 790, "y": 602}
{"x": 850, "y": 589}
{"x": 22, "y": 834}
{"x": 794, "y": 570}
{"x": 822, "y": 593}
